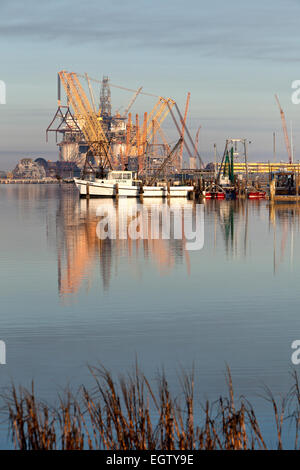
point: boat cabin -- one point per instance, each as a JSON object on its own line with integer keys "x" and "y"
{"x": 124, "y": 177}
{"x": 120, "y": 177}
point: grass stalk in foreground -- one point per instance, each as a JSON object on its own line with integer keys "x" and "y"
{"x": 128, "y": 414}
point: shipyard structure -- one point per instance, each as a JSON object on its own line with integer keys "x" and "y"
{"x": 93, "y": 138}
{"x": 97, "y": 139}
{"x": 88, "y": 131}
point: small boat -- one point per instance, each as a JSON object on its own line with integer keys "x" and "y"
{"x": 257, "y": 195}
{"x": 214, "y": 191}
{"x": 214, "y": 195}
{"x": 123, "y": 183}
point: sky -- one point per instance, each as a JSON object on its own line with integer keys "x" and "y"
{"x": 231, "y": 56}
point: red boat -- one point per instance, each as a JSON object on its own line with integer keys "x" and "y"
{"x": 212, "y": 195}
{"x": 257, "y": 195}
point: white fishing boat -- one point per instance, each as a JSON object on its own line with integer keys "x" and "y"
{"x": 123, "y": 183}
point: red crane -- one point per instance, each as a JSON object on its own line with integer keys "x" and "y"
{"x": 285, "y": 132}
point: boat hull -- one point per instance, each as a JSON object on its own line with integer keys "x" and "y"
{"x": 257, "y": 195}
{"x": 211, "y": 195}
{"x": 106, "y": 189}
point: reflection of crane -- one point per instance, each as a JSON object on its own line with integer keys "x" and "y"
{"x": 79, "y": 246}
{"x": 285, "y": 132}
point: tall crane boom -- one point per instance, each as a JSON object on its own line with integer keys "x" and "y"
{"x": 154, "y": 120}
{"x": 196, "y": 142}
{"x": 183, "y": 129}
{"x": 87, "y": 118}
{"x": 132, "y": 101}
{"x": 158, "y": 114}
{"x": 285, "y": 132}
{"x": 167, "y": 160}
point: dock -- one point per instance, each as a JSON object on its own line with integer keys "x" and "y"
{"x": 32, "y": 181}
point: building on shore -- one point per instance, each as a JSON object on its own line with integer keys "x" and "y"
{"x": 27, "y": 168}
{"x": 261, "y": 167}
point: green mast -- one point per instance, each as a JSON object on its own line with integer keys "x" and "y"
{"x": 231, "y": 174}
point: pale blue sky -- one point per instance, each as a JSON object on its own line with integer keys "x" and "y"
{"x": 231, "y": 56}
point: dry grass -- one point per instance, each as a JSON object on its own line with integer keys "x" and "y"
{"x": 128, "y": 414}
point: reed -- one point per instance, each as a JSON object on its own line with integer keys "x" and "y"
{"x": 128, "y": 414}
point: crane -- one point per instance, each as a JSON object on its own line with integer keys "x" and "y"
{"x": 132, "y": 101}
{"x": 142, "y": 144}
{"x": 91, "y": 92}
{"x": 88, "y": 120}
{"x": 158, "y": 114}
{"x": 153, "y": 122}
{"x": 285, "y": 132}
{"x": 167, "y": 160}
{"x": 194, "y": 157}
{"x": 197, "y": 141}
{"x": 183, "y": 129}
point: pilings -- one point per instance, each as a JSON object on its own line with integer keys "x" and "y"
{"x": 141, "y": 191}
{"x": 32, "y": 181}
{"x": 197, "y": 193}
{"x": 272, "y": 190}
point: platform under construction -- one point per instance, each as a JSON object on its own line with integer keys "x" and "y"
{"x": 97, "y": 139}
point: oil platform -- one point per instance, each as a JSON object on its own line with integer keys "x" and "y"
{"x": 91, "y": 135}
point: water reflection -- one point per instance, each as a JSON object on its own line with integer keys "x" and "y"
{"x": 230, "y": 309}
{"x": 233, "y": 227}
{"x": 79, "y": 250}
{"x": 249, "y": 229}
{"x": 284, "y": 219}
{"x": 231, "y": 219}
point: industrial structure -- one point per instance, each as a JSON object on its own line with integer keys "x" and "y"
{"x": 95, "y": 138}
{"x": 262, "y": 167}
{"x": 285, "y": 132}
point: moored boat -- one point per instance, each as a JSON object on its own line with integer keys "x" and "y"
{"x": 256, "y": 195}
{"x": 214, "y": 195}
{"x": 123, "y": 183}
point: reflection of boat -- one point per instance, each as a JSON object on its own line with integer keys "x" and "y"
{"x": 122, "y": 183}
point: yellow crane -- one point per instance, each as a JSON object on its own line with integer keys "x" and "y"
{"x": 87, "y": 119}
{"x": 158, "y": 114}
{"x": 179, "y": 163}
{"x": 152, "y": 123}
{"x": 90, "y": 122}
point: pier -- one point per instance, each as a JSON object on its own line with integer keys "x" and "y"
{"x": 32, "y": 181}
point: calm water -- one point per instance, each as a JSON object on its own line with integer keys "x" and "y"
{"x": 68, "y": 299}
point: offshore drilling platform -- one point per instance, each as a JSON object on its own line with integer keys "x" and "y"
{"x": 89, "y": 134}
{"x": 73, "y": 145}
